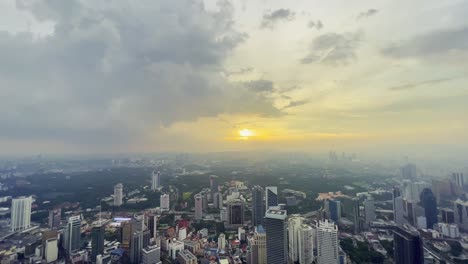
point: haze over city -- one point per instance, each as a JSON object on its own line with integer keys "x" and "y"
{"x": 86, "y": 77}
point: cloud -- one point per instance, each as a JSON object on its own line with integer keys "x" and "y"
{"x": 315, "y": 24}
{"x": 270, "y": 20}
{"x": 241, "y": 71}
{"x": 409, "y": 86}
{"x": 260, "y": 86}
{"x": 367, "y": 13}
{"x": 333, "y": 49}
{"x": 433, "y": 43}
{"x": 114, "y": 72}
{"x": 297, "y": 103}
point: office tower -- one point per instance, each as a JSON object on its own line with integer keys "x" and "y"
{"x": 409, "y": 171}
{"x": 448, "y": 215}
{"x": 139, "y": 240}
{"x": 407, "y": 247}
{"x": 276, "y": 236}
{"x": 20, "y": 213}
{"x": 97, "y": 241}
{"x": 204, "y": 201}
{"x": 126, "y": 231}
{"x": 155, "y": 180}
{"x": 398, "y": 207}
{"x": 294, "y": 223}
{"x": 152, "y": 222}
{"x": 257, "y": 245}
{"x": 369, "y": 211}
{"x": 306, "y": 244}
{"x": 429, "y": 204}
{"x": 413, "y": 190}
{"x": 55, "y": 215}
{"x": 213, "y": 185}
{"x": 235, "y": 211}
{"x": 327, "y": 243}
{"x": 334, "y": 208}
{"x": 218, "y": 200}
{"x": 118, "y": 194}
{"x": 51, "y": 250}
{"x": 151, "y": 255}
{"x": 198, "y": 206}
{"x": 258, "y": 209}
{"x": 72, "y": 234}
{"x": 458, "y": 179}
{"x": 441, "y": 189}
{"x": 271, "y": 197}
{"x": 186, "y": 257}
{"x": 164, "y": 202}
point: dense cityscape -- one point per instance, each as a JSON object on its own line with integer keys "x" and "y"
{"x": 184, "y": 208}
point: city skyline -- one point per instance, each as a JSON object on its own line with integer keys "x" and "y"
{"x": 86, "y": 77}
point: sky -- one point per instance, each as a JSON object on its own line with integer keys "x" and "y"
{"x": 187, "y": 75}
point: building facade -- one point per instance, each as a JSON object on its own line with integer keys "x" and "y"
{"x": 20, "y": 213}
{"x": 327, "y": 243}
{"x": 276, "y": 236}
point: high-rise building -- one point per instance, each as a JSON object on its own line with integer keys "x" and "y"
{"x": 222, "y": 242}
{"x": 429, "y": 204}
{"x": 257, "y": 244}
{"x": 334, "y": 208}
{"x": 155, "y": 180}
{"x": 276, "y": 236}
{"x": 97, "y": 241}
{"x": 413, "y": 190}
{"x": 186, "y": 257}
{"x": 140, "y": 240}
{"x": 72, "y": 235}
{"x": 458, "y": 179}
{"x": 294, "y": 223}
{"x": 164, "y": 202}
{"x": 441, "y": 189}
{"x": 213, "y": 185}
{"x": 218, "y": 200}
{"x": 21, "y": 213}
{"x": 306, "y": 244}
{"x": 126, "y": 231}
{"x": 198, "y": 206}
{"x": 271, "y": 197}
{"x": 409, "y": 171}
{"x": 51, "y": 250}
{"x": 398, "y": 207}
{"x": 407, "y": 247}
{"x": 327, "y": 243}
{"x": 448, "y": 215}
{"x": 235, "y": 211}
{"x": 151, "y": 255}
{"x": 118, "y": 194}
{"x": 55, "y": 215}
{"x": 258, "y": 208}
{"x": 369, "y": 211}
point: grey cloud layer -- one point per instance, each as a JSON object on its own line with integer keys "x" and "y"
{"x": 270, "y": 20}
{"x": 368, "y": 13}
{"x": 333, "y": 49}
{"x": 113, "y": 71}
{"x": 409, "y": 86}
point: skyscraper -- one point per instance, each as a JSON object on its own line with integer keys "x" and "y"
{"x": 369, "y": 211}
{"x": 271, "y": 193}
{"x": 257, "y": 244}
{"x": 21, "y": 213}
{"x": 458, "y": 179}
{"x": 429, "y": 204}
{"x": 222, "y": 241}
{"x": 126, "y": 231}
{"x": 140, "y": 240}
{"x": 398, "y": 207}
{"x": 276, "y": 236}
{"x": 334, "y": 207}
{"x": 118, "y": 194}
{"x": 294, "y": 223}
{"x": 409, "y": 171}
{"x": 407, "y": 247}
{"x": 155, "y": 180}
{"x": 164, "y": 202}
{"x": 55, "y": 215}
{"x": 97, "y": 241}
{"x": 327, "y": 243}
{"x": 306, "y": 244}
{"x": 151, "y": 255}
{"x": 198, "y": 206}
{"x": 258, "y": 209}
{"x": 235, "y": 211}
{"x": 218, "y": 200}
{"x": 72, "y": 235}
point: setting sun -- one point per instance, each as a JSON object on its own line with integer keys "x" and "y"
{"x": 245, "y": 133}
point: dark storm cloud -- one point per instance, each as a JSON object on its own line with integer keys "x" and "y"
{"x": 367, "y": 13}
{"x": 430, "y": 44}
{"x": 112, "y": 71}
{"x": 270, "y": 20}
{"x": 333, "y": 49}
{"x": 315, "y": 24}
{"x": 409, "y": 86}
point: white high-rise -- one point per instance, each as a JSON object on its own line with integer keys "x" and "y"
{"x": 118, "y": 194}
{"x": 306, "y": 244}
{"x": 21, "y": 213}
{"x": 327, "y": 243}
{"x": 294, "y": 223}
{"x": 198, "y": 206}
{"x": 155, "y": 180}
{"x": 164, "y": 202}
{"x": 271, "y": 197}
{"x": 222, "y": 242}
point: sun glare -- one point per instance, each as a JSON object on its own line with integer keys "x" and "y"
{"x": 245, "y": 133}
